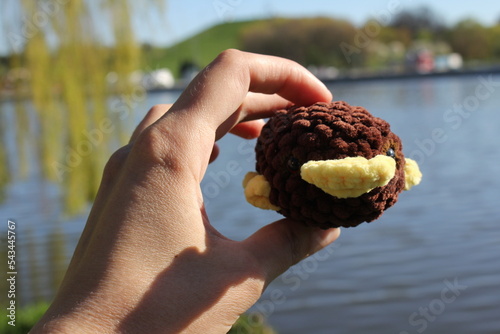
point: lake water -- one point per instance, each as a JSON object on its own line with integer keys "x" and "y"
{"x": 430, "y": 264}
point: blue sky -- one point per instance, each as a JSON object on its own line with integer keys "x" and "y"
{"x": 183, "y": 18}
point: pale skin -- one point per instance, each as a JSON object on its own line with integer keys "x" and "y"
{"x": 149, "y": 261}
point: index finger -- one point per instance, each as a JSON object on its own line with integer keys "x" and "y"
{"x": 214, "y": 96}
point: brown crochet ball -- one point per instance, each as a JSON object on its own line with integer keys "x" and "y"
{"x": 326, "y": 131}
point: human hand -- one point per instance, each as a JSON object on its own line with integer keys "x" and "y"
{"x": 149, "y": 261}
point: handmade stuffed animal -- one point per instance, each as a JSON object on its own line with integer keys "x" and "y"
{"x": 329, "y": 165}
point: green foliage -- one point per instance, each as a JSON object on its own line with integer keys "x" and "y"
{"x": 389, "y": 34}
{"x": 494, "y": 40}
{"x": 25, "y": 319}
{"x": 470, "y": 39}
{"x": 317, "y": 41}
{"x": 28, "y": 316}
{"x": 417, "y": 21}
{"x": 200, "y": 49}
{"x": 252, "y": 323}
{"x": 68, "y": 91}
{"x": 308, "y": 41}
{"x": 4, "y": 171}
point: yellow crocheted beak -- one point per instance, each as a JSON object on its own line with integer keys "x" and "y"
{"x": 354, "y": 176}
{"x": 349, "y": 177}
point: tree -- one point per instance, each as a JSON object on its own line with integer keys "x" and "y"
{"x": 309, "y": 41}
{"x": 470, "y": 39}
{"x": 417, "y": 21}
{"x": 60, "y": 44}
{"x": 494, "y": 38}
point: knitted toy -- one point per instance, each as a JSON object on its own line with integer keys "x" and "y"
{"x": 329, "y": 165}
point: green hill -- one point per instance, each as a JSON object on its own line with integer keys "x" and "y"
{"x": 199, "y": 49}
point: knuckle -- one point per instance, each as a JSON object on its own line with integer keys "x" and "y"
{"x": 229, "y": 55}
{"x": 149, "y": 145}
{"x": 157, "y": 111}
{"x": 236, "y": 63}
{"x": 230, "y": 59}
{"x": 115, "y": 163}
{"x": 155, "y": 148}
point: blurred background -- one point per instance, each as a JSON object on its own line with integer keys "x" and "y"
{"x": 76, "y": 76}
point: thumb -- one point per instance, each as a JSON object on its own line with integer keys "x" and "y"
{"x": 280, "y": 245}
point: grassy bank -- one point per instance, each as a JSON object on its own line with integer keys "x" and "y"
{"x": 199, "y": 49}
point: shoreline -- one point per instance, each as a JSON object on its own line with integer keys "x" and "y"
{"x": 414, "y": 75}
{"x": 381, "y": 77}
{"x": 6, "y": 96}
